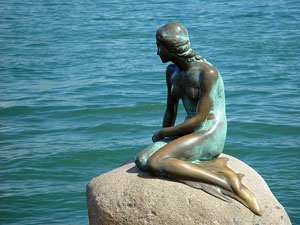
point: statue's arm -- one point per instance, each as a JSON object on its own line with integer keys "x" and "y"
{"x": 172, "y": 102}
{"x": 172, "y": 106}
{"x": 203, "y": 108}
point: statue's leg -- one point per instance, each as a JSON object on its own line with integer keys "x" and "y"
{"x": 172, "y": 161}
{"x": 142, "y": 158}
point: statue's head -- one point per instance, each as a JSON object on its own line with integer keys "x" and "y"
{"x": 175, "y": 38}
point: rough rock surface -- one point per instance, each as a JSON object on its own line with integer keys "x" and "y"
{"x": 127, "y": 195}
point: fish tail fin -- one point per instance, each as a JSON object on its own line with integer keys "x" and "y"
{"x": 208, "y": 188}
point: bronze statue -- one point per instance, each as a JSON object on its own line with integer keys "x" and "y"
{"x": 189, "y": 151}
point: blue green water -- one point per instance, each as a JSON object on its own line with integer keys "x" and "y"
{"x": 82, "y": 90}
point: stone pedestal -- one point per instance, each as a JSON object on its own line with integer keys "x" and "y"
{"x": 127, "y": 195}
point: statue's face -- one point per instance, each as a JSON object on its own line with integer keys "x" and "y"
{"x": 163, "y": 53}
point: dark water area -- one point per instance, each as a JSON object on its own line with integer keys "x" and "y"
{"x": 82, "y": 90}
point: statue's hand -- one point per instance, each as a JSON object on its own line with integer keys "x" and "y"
{"x": 157, "y": 136}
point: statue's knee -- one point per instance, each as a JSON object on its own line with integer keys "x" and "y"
{"x": 154, "y": 165}
{"x": 140, "y": 162}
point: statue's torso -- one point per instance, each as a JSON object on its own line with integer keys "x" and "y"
{"x": 187, "y": 87}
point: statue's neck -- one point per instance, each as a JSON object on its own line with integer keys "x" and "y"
{"x": 182, "y": 63}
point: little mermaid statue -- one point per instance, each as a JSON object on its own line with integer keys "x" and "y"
{"x": 189, "y": 152}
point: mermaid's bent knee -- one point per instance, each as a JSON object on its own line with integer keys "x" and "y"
{"x": 155, "y": 165}
{"x": 141, "y": 159}
{"x": 141, "y": 163}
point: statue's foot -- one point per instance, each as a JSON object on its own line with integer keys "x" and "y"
{"x": 236, "y": 189}
{"x": 250, "y": 200}
{"x": 242, "y": 193}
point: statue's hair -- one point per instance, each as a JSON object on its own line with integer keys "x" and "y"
{"x": 175, "y": 37}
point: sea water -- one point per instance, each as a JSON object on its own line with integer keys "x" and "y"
{"x": 82, "y": 90}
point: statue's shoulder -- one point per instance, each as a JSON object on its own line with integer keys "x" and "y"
{"x": 209, "y": 76}
{"x": 172, "y": 75}
{"x": 209, "y": 72}
{"x": 171, "y": 69}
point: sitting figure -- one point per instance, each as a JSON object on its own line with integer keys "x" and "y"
{"x": 188, "y": 152}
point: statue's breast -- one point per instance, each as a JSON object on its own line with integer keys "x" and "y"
{"x": 191, "y": 85}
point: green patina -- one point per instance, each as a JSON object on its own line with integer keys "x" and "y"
{"x": 201, "y": 137}
{"x": 177, "y": 42}
{"x": 214, "y": 137}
